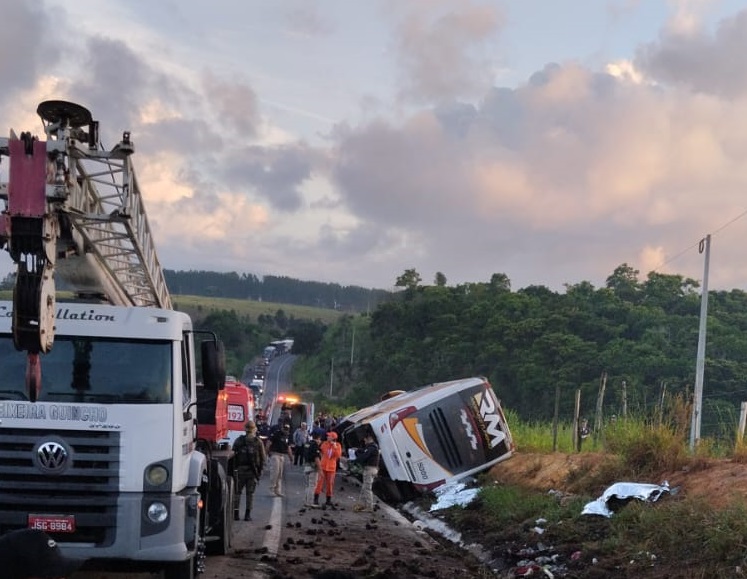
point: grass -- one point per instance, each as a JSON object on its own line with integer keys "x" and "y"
{"x": 200, "y": 306}
{"x": 677, "y": 536}
{"x": 688, "y": 531}
{"x": 674, "y": 537}
{"x": 197, "y": 306}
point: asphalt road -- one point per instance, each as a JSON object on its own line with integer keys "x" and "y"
{"x": 286, "y": 539}
{"x": 262, "y": 547}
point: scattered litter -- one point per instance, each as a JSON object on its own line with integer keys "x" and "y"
{"x": 453, "y": 494}
{"x": 622, "y": 493}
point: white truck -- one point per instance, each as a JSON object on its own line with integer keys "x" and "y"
{"x": 107, "y": 442}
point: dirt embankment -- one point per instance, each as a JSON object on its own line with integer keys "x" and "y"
{"x": 717, "y": 481}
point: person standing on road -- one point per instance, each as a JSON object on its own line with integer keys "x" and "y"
{"x": 250, "y": 460}
{"x": 280, "y": 448}
{"x": 331, "y": 453}
{"x": 368, "y": 458}
{"x": 312, "y": 467}
{"x": 300, "y": 438}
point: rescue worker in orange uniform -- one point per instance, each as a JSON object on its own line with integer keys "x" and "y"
{"x": 331, "y": 451}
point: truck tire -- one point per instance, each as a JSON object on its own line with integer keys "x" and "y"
{"x": 221, "y": 537}
{"x": 180, "y": 570}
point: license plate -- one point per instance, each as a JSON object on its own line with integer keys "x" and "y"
{"x": 52, "y": 523}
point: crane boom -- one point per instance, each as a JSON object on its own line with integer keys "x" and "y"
{"x": 74, "y": 211}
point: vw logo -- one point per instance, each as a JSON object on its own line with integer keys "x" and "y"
{"x": 52, "y": 456}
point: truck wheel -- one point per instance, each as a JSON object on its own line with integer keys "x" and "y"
{"x": 180, "y": 570}
{"x": 221, "y": 538}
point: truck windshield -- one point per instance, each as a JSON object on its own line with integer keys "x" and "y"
{"x": 91, "y": 369}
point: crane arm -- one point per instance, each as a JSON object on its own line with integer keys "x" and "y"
{"x": 74, "y": 212}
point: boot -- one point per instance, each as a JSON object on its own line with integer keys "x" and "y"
{"x": 247, "y": 516}
{"x": 316, "y": 502}
{"x": 236, "y": 514}
{"x": 329, "y": 502}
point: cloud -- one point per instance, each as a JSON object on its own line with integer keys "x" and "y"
{"x": 305, "y": 19}
{"x": 235, "y": 103}
{"x": 276, "y": 173}
{"x": 573, "y": 169}
{"x": 691, "y": 57}
{"x": 557, "y": 179}
{"x": 23, "y": 52}
{"x": 439, "y": 49}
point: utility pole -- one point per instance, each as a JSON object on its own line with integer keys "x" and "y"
{"x": 705, "y": 245}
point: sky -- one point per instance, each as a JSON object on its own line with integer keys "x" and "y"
{"x": 348, "y": 141}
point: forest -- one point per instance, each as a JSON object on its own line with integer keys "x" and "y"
{"x": 534, "y": 342}
{"x": 271, "y": 288}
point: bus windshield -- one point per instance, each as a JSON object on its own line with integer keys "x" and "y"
{"x": 92, "y": 369}
{"x": 464, "y": 430}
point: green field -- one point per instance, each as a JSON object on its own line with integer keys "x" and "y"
{"x": 200, "y": 306}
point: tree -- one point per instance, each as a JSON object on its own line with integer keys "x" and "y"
{"x": 624, "y": 283}
{"x": 440, "y": 279}
{"x": 307, "y": 337}
{"x": 500, "y": 282}
{"x": 410, "y": 279}
{"x": 9, "y": 282}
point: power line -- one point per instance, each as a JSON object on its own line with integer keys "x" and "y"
{"x": 697, "y": 243}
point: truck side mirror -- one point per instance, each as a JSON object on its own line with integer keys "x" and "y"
{"x": 213, "y": 365}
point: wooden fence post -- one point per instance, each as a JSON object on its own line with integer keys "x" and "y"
{"x": 742, "y": 422}
{"x": 662, "y": 397}
{"x": 598, "y": 419}
{"x": 556, "y": 418}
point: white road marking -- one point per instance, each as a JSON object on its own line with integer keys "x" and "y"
{"x": 272, "y": 536}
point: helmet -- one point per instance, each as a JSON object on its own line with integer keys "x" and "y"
{"x": 332, "y": 435}
{"x": 250, "y": 425}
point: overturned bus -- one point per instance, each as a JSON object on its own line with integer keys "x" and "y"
{"x": 432, "y": 435}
